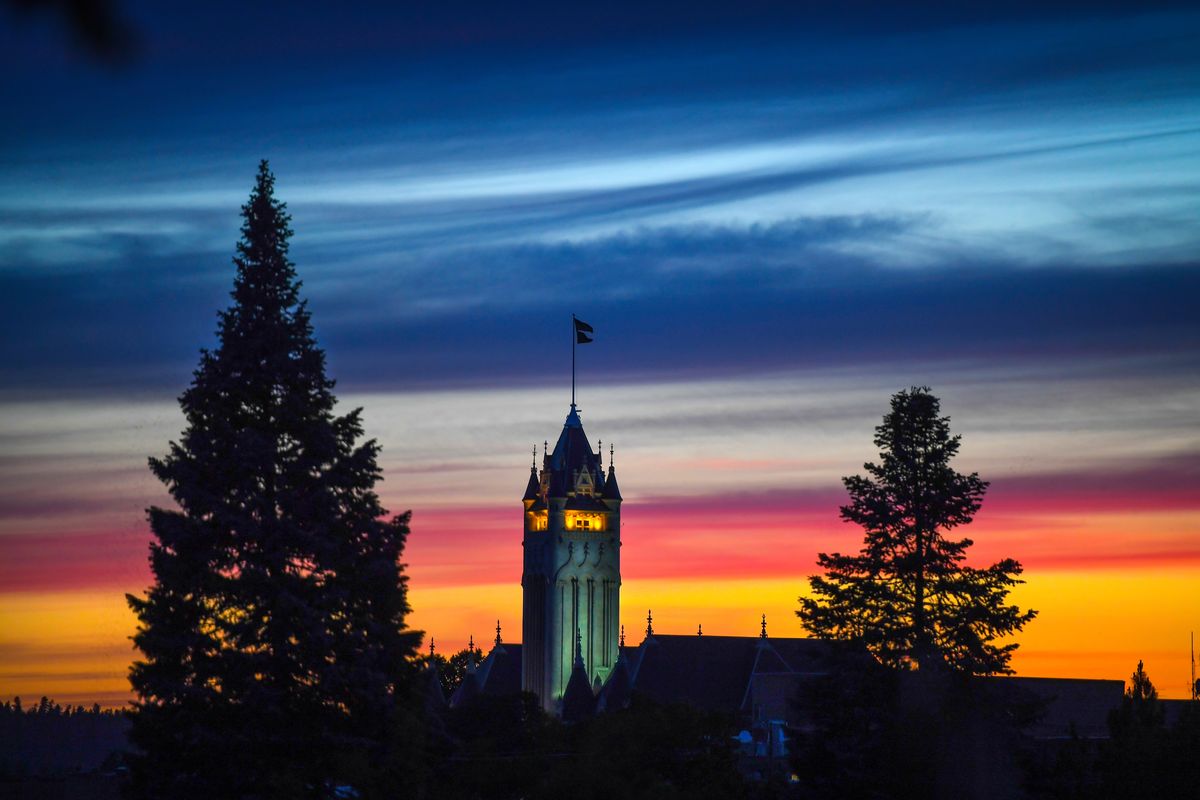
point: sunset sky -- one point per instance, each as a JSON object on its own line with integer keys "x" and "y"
{"x": 773, "y": 218}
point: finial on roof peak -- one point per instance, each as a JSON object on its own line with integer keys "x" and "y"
{"x": 431, "y": 647}
{"x": 700, "y": 629}
{"x": 579, "y": 648}
{"x": 622, "y": 636}
{"x": 573, "y": 420}
{"x": 763, "y": 635}
{"x": 533, "y": 463}
{"x": 649, "y": 623}
{"x": 497, "y": 633}
{"x": 471, "y": 644}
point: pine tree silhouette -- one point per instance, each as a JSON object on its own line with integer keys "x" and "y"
{"x": 276, "y": 658}
{"x": 907, "y": 595}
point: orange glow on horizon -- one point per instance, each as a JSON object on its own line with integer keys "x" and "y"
{"x": 73, "y": 646}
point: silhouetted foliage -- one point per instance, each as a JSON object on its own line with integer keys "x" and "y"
{"x": 277, "y": 663}
{"x": 507, "y": 747}
{"x": 47, "y": 707}
{"x": 1143, "y": 758}
{"x": 874, "y": 731}
{"x": 842, "y": 750}
{"x": 649, "y": 750}
{"x": 451, "y": 670}
{"x": 51, "y": 739}
{"x": 497, "y": 746}
{"x": 1073, "y": 773}
{"x": 908, "y": 596}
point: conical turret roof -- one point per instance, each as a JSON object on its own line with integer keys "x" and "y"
{"x": 534, "y": 487}
{"x": 579, "y": 701}
{"x": 611, "y": 490}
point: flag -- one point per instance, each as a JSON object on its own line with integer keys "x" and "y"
{"x": 583, "y": 331}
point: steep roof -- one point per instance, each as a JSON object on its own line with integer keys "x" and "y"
{"x": 578, "y": 702}
{"x": 501, "y": 671}
{"x": 435, "y": 698}
{"x": 467, "y": 691}
{"x": 572, "y": 454}
{"x": 715, "y": 672}
{"x": 611, "y": 490}
{"x": 618, "y": 689}
{"x": 534, "y": 487}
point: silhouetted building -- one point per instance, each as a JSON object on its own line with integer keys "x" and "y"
{"x": 574, "y": 657}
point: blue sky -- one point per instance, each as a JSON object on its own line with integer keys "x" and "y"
{"x": 774, "y": 214}
{"x": 719, "y": 193}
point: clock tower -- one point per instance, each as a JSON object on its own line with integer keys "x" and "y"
{"x": 571, "y": 581}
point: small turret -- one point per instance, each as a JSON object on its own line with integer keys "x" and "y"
{"x": 532, "y": 488}
{"x": 611, "y": 491}
{"x": 470, "y": 688}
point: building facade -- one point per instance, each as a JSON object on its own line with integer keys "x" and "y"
{"x": 571, "y": 578}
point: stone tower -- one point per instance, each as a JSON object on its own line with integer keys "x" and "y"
{"x": 571, "y": 580}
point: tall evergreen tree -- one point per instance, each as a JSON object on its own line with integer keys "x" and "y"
{"x": 276, "y": 659}
{"x": 908, "y": 595}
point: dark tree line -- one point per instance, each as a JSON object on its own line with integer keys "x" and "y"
{"x": 47, "y": 707}
{"x": 506, "y": 747}
{"x": 48, "y": 738}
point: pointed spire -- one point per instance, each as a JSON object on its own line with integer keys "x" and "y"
{"x": 497, "y": 633}
{"x": 533, "y": 487}
{"x": 611, "y": 490}
{"x": 763, "y": 635}
{"x": 579, "y": 699}
{"x": 649, "y": 624}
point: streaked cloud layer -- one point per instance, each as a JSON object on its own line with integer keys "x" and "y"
{"x": 773, "y": 220}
